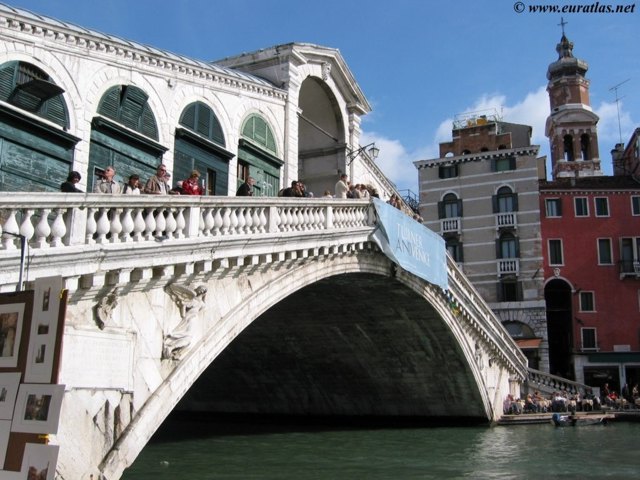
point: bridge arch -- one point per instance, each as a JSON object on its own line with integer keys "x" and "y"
{"x": 419, "y": 335}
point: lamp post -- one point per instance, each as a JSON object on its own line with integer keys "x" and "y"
{"x": 371, "y": 150}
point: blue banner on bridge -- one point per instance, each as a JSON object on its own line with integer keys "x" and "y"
{"x": 411, "y": 245}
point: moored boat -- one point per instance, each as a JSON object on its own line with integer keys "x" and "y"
{"x": 578, "y": 420}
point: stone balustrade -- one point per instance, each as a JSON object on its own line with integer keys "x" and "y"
{"x": 85, "y": 234}
{"x": 483, "y": 319}
{"x": 48, "y": 220}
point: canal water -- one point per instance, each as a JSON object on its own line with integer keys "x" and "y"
{"x": 202, "y": 450}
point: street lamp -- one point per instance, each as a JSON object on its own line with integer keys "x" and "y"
{"x": 372, "y": 151}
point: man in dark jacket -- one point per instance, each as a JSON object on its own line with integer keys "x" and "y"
{"x": 246, "y": 189}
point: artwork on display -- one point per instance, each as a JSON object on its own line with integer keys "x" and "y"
{"x": 39, "y": 461}
{"x": 8, "y": 390}
{"x": 5, "y": 428}
{"x": 11, "y": 319}
{"x": 44, "y": 327}
{"x": 37, "y": 408}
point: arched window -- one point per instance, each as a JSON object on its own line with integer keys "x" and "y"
{"x": 450, "y": 206}
{"x": 585, "y": 143}
{"x": 124, "y": 135}
{"x": 200, "y": 119}
{"x": 507, "y": 246}
{"x": 568, "y": 148}
{"x": 29, "y": 88}
{"x": 257, "y": 157}
{"x": 257, "y": 130}
{"x": 128, "y": 106}
{"x": 505, "y": 201}
{"x": 35, "y": 156}
{"x": 200, "y": 146}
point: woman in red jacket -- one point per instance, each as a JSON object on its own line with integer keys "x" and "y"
{"x": 191, "y": 185}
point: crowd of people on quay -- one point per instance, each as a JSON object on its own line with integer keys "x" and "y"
{"x": 563, "y": 401}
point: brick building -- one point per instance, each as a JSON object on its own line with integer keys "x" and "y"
{"x": 590, "y": 225}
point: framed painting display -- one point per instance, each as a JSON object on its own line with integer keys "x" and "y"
{"x": 39, "y": 461}
{"x": 37, "y": 408}
{"x": 5, "y": 428}
{"x": 8, "y": 390}
{"x": 11, "y": 319}
{"x": 44, "y": 327}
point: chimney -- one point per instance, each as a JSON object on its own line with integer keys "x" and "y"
{"x": 617, "y": 160}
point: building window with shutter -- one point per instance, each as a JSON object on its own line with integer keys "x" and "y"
{"x": 581, "y": 206}
{"x": 503, "y": 164}
{"x": 589, "y": 339}
{"x": 555, "y": 252}
{"x": 509, "y": 290}
{"x": 447, "y": 171}
{"x": 605, "y": 256}
{"x": 587, "y": 303}
{"x": 602, "y": 207}
{"x": 553, "y": 207}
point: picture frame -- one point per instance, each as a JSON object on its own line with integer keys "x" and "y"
{"x": 39, "y": 461}
{"x": 5, "y": 429}
{"x": 44, "y": 328}
{"x": 11, "y": 322}
{"x": 37, "y": 408}
{"x": 9, "y": 383}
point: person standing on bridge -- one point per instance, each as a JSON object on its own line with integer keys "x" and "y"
{"x": 191, "y": 185}
{"x": 158, "y": 184}
{"x": 246, "y": 189}
{"x": 342, "y": 186}
{"x": 107, "y": 184}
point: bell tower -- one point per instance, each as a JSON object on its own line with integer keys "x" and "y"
{"x": 572, "y": 126}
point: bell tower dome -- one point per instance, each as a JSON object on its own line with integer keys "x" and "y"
{"x": 571, "y": 126}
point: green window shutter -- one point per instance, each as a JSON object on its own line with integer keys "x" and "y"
{"x": 128, "y": 105}
{"x": 494, "y": 203}
{"x": 199, "y": 118}
{"x": 257, "y": 129}
{"x": 149, "y": 126}
{"x": 441, "y": 213}
{"x": 109, "y": 103}
{"x": 7, "y": 79}
{"x": 55, "y": 110}
{"x": 515, "y": 202}
{"x": 204, "y": 121}
{"x": 131, "y": 107}
{"x": 188, "y": 118}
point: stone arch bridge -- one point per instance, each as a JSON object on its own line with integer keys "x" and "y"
{"x": 219, "y": 301}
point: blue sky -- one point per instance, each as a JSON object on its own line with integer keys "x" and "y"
{"x": 418, "y": 62}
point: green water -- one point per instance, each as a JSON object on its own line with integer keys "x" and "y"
{"x": 215, "y": 451}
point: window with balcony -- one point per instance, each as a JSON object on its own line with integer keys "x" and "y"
{"x": 450, "y": 206}
{"x": 505, "y": 204}
{"x": 589, "y": 339}
{"x": 508, "y": 246}
{"x": 602, "y": 206}
{"x": 635, "y": 206}
{"x": 630, "y": 255}
{"x": 605, "y": 256}
{"x": 555, "y": 252}
{"x": 581, "y": 206}
{"x": 587, "y": 303}
{"x": 553, "y": 207}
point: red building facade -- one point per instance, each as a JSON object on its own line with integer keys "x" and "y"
{"x": 590, "y": 231}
